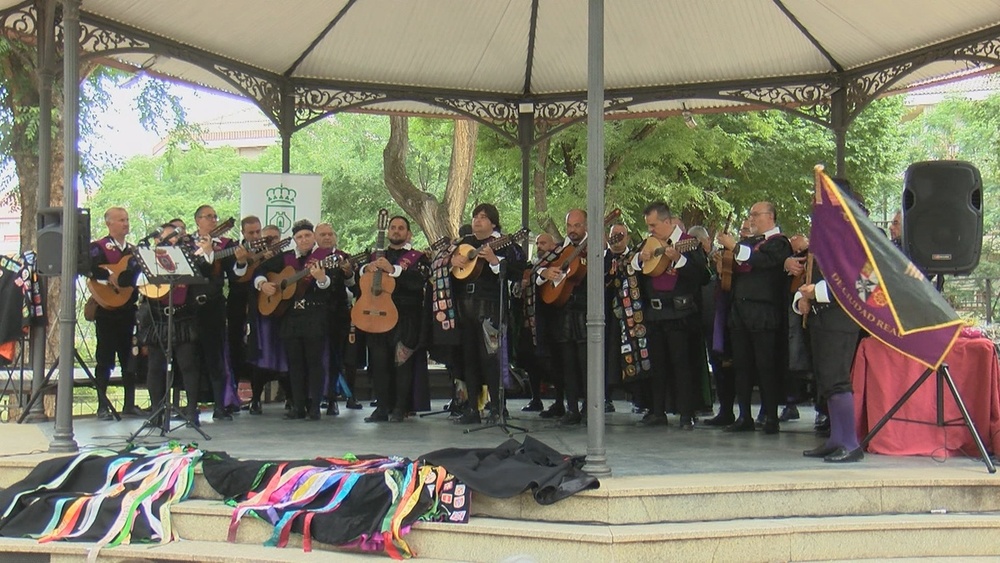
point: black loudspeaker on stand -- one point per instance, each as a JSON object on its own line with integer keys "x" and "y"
{"x": 50, "y": 241}
{"x": 943, "y": 216}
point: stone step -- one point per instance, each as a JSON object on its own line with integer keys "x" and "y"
{"x": 719, "y": 496}
{"x": 748, "y": 539}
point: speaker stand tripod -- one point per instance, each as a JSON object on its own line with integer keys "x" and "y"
{"x": 943, "y": 376}
{"x": 102, "y": 395}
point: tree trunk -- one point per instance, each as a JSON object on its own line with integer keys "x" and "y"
{"x": 436, "y": 218}
{"x": 538, "y": 183}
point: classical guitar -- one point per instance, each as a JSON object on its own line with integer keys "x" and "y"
{"x": 153, "y": 291}
{"x": 472, "y": 270}
{"x": 573, "y": 270}
{"x": 260, "y": 255}
{"x": 374, "y": 312}
{"x": 656, "y": 264}
{"x": 110, "y": 295}
{"x": 288, "y": 285}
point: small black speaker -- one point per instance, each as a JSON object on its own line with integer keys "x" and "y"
{"x": 50, "y": 241}
{"x": 943, "y": 216}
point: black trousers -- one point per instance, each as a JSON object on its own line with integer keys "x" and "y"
{"x": 754, "y": 357}
{"x": 340, "y": 329}
{"x": 481, "y": 367}
{"x": 236, "y": 333}
{"x": 211, "y": 335}
{"x": 674, "y": 375}
{"x": 305, "y": 370}
{"x": 392, "y": 384}
{"x": 114, "y": 340}
{"x": 573, "y": 356}
{"x": 185, "y": 358}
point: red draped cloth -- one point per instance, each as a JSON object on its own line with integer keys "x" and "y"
{"x": 881, "y": 376}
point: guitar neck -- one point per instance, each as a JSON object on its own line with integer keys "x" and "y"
{"x": 327, "y": 262}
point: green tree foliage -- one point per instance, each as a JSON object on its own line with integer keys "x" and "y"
{"x": 157, "y": 189}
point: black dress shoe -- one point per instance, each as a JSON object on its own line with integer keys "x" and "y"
{"x": 760, "y": 418}
{"x": 557, "y": 410}
{"x": 654, "y": 419}
{"x": 469, "y": 416}
{"x": 740, "y": 425}
{"x": 534, "y": 406}
{"x": 571, "y": 418}
{"x": 687, "y": 423}
{"x": 789, "y": 412}
{"x": 353, "y": 404}
{"x": 294, "y": 415}
{"x": 396, "y": 416}
{"x": 221, "y": 414}
{"x": 332, "y": 409}
{"x": 771, "y": 426}
{"x": 104, "y": 414}
{"x": 313, "y": 416}
{"x": 609, "y": 406}
{"x": 133, "y": 410}
{"x": 378, "y": 415}
{"x": 841, "y": 455}
{"x": 255, "y": 408}
{"x": 720, "y": 419}
{"x": 820, "y": 451}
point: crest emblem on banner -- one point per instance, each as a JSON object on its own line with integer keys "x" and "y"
{"x": 280, "y": 210}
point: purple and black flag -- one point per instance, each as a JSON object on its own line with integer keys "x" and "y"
{"x": 879, "y": 287}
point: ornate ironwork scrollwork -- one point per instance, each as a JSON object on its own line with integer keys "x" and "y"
{"x": 811, "y": 101}
{"x": 97, "y": 40}
{"x": 312, "y": 104}
{"x": 498, "y": 115}
{"x": 863, "y": 89}
{"x": 266, "y": 93}
{"x": 989, "y": 49}
{"x": 20, "y": 22}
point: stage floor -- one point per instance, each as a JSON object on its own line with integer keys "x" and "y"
{"x": 631, "y": 450}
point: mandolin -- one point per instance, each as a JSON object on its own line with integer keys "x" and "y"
{"x": 656, "y": 265}
{"x": 111, "y": 295}
{"x": 374, "y": 312}
{"x": 472, "y": 270}
{"x": 288, "y": 285}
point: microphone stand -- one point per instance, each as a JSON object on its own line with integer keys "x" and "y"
{"x": 500, "y": 421}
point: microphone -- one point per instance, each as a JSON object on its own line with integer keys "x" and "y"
{"x": 154, "y": 233}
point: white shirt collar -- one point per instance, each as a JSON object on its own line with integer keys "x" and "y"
{"x": 675, "y": 235}
{"x": 567, "y": 241}
{"x": 772, "y": 232}
{"x": 300, "y": 255}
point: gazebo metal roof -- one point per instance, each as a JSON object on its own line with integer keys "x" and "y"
{"x": 303, "y": 59}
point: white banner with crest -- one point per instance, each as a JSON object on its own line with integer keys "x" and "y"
{"x": 281, "y": 199}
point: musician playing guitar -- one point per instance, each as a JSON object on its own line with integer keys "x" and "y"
{"x": 570, "y": 322}
{"x": 212, "y": 309}
{"x": 478, "y": 301}
{"x": 115, "y": 326}
{"x": 671, "y": 313}
{"x": 391, "y": 354}
{"x": 303, "y": 327}
{"x": 340, "y": 318}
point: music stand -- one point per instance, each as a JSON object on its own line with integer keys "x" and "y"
{"x": 501, "y": 419}
{"x": 170, "y": 266}
{"x": 943, "y": 376}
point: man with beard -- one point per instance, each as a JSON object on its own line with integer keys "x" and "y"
{"x": 391, "y": 354}
{"x": 569, "y": 326}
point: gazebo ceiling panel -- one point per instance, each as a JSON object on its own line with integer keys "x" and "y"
{"x": 484, "y": 48}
